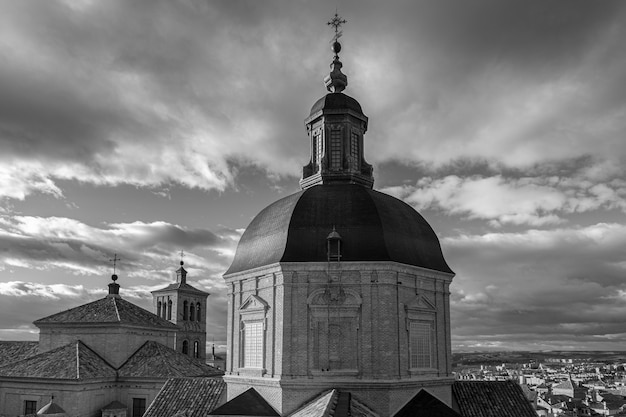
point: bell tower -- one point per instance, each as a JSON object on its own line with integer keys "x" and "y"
{"x": 184, "y": 306}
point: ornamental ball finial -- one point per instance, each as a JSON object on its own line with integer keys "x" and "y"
{"x": 336, "y": 47}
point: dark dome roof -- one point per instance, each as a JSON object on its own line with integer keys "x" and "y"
{"x": 373, "y": 227}
{"x": 336, "y": 101}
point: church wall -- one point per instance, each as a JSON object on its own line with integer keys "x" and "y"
{"x": 76, "y": 398}
{"x": 114, "y": 343}
{"x": 381, "y": 300}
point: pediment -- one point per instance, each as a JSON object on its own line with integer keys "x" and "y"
{"x": 421, "y": 302}
{"x": 254, "y": 303}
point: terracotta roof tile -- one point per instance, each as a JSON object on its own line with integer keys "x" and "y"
{"x": 491, "y": 399}
{"x": 154, "y": 360}
{"x": 11, "y": 352}
{"x": 181, "y": 286}
{"x": 72, "y": 361}
{"x": 358, "y": 409}
{"x": 191, "y": 397}
{"x": 248, "y": 403}
{"x": 107, "y": 310}
{"x": 334, "y": 403}
{"x": 114, "y": 405}
{"x": 320, "y": 406}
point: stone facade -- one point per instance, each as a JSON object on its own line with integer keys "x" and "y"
{"x": 339, "y": 325}
{"x": 80, "y": 398}
{"x": 114, "y": 342}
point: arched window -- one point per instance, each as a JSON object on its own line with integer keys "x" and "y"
{"x": 185, "y": 310}
{"x": 198, "y": 315}
{"x": 159, "y": 309}
{"x": 192, "y": 310}
{"x": 196, "y": 349}
{"x": 185, "y": 347}
{"x": 169, "y": 309}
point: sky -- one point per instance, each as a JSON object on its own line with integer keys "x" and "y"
{"x": 147, "y": 128}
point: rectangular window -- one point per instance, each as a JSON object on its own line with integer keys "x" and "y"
{"x": 30, "y": 407}
{"x": 335, "y": 149}
{"x": 420, "y": 344}
{"x": 253, "y": 344}
{"x": 139, "y": 407}
{"x": 354, "y": 145}
{"x": 317, "y": 150}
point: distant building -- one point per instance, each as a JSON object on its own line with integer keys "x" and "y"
{"x": 100, "y": 358}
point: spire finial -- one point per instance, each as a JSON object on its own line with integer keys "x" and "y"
{"x": 336, "y": 22}
{"x": 114, "y": 287}
{"x": 181, "y": 273}
{"x": 114, "y": 260}
{"x": 336, "y": 81}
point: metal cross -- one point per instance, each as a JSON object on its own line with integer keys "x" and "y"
{"x": 336, "y": 22}
{"x": 114, "y": 260}
{"x": 182, "y": 255}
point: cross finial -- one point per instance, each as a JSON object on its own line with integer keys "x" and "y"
{"x": 182, "y": 255}
{"x": 336, "y": 22}
{"x": 114, "y": 260}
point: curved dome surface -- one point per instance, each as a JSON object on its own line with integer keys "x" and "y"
{"x": 332, "y": 101}
{"x": 373, "y": 227}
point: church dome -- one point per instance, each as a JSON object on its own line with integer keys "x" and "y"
{"x": 373, "y": 227}
{"x": 336, "y": 101}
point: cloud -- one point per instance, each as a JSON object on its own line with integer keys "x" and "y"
{"x": 185, "y": 93}
{"x": 58, "y": 242}
{"x": 543, "y": 286}
{"x": 534, "y": 201}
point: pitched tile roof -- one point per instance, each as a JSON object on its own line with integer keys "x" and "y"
{"x": 107, "y": 310}
{"x": 11, "y": 352}
{"x": 191, "y": 397}
{"x": 318, "y": 407}
{"x": 181, "y": 286}
{"x": 424, "y": 404}
{"x": 51, "y": 408}
{"x": 491, "y": 399}
{"x": 248, "y": 403}
{"x": 567, "y": 384}
{"x": 72, "y": 361}
{"x": 334, "y": 403}
{"x": 114, "y": 405}
{"x": 154, "y": 360}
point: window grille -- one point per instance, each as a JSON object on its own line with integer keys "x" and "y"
{"x": 354, "y": 145}
{"x": 139, "y": 407}
{"x": 253, "y": 344}
{"x": 317, "y": 150}
{"x": 335, "y": 149}
{"x": 30, "y": 407}
{"x": 421, "y": 344}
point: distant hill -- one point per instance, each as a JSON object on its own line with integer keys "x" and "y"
{"x": 497, "y": 358}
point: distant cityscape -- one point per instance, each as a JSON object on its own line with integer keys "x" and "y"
{"x": 558, "y": 383}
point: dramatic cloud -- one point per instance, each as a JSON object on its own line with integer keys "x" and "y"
{"x": 142, "y": 128}
{"x": 534, "y": 201}
{"x": 151, "y": 94}
{"x": 557, "y": 285}
{"x": 46, "y": 245}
